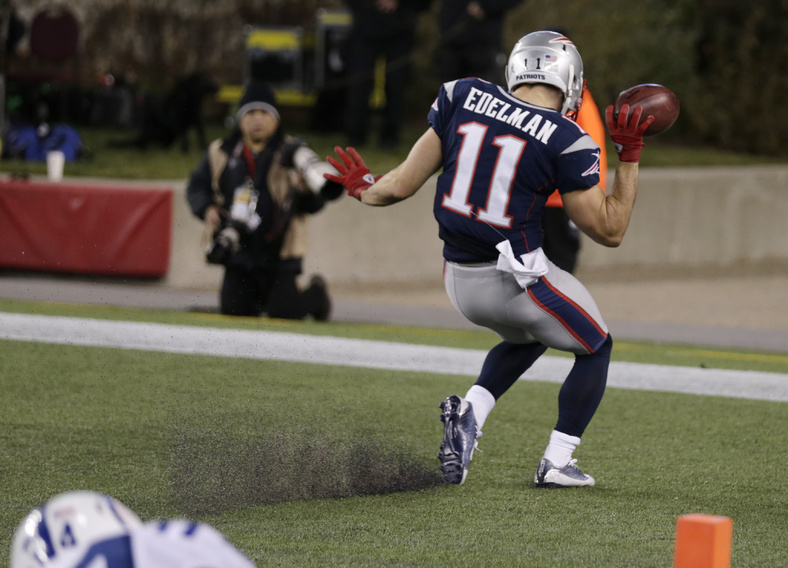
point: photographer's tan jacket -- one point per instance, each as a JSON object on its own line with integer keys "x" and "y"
{"x": 282, "y": 184}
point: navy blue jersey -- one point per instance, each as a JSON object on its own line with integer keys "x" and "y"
{"x": 502, "y": 158}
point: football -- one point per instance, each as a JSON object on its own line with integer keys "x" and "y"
{"x": 656, "y": 100}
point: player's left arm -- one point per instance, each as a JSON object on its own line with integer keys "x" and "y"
{"x": 605, "y": 218}
{"x": 424, "y": 159}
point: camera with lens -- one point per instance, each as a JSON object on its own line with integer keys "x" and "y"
{"x": 244, "y": 219}
{"x": 296, "y": 154}
{"x": 225, "y": 243}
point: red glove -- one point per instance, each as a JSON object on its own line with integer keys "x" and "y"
{"x": 354, "y": 173}
{"x": 627, "y": 138}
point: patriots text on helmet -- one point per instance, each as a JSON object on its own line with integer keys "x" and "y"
{"x": 484, "y": 103}
{"x": 530, "y": 77}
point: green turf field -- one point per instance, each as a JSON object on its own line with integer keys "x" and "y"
{"x": 311, "y": 465}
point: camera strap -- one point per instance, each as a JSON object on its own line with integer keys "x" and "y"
{"x": 251, "y": 165}
{"x": 281, "y": 215}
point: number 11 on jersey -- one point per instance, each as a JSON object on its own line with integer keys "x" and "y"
{"x": 510, "y": 151}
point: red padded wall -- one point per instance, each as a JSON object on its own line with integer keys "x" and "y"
{"x": 88, "y": 229}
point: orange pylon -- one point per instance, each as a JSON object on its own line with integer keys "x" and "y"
{"x": 703, "y": 541}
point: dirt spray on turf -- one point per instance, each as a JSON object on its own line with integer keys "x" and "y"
{"x": 217, "y": 466}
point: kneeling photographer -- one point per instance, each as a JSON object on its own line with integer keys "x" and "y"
{"x": 254, "y": 189}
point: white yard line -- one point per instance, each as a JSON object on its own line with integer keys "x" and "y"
{"x": 373, "y": 354}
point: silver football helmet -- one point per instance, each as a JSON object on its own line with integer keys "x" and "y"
{"x": 550, "y": 58}
{"x": 65, "y": 521}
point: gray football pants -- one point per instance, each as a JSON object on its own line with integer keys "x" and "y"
{"x": 557, "y": 311}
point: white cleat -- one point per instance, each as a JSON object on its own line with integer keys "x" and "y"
{"x": 549, "y": 476}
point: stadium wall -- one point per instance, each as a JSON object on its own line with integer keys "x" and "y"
{"x": 685, "y": 218}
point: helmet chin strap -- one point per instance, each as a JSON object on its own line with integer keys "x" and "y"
{"x": 571, "y": 80}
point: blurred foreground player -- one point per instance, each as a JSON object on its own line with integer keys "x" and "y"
{"x": 82, "y": 528}
{"x": 502, "y": 154}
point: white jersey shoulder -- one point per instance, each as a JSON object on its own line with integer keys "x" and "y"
{"x": 183, "y": 544}
{"x": 159, "y": 544}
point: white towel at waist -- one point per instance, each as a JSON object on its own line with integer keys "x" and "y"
{"x": 527, "y": 272}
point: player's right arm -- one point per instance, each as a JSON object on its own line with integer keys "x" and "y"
{"x": 400, "y": 183}
{"x": 423, "y": 160}
{"x": 605, "y": 218}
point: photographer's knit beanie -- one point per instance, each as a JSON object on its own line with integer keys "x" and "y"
{"x": 258, "y": 95}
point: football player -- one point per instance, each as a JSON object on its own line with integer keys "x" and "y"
{"x": 503, "y": 152}
{"x": 82, "y": 528}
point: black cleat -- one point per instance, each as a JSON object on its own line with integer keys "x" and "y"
{"x": 459, "y": 439}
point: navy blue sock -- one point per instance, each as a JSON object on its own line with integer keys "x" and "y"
{"x": 505, "y": 363}
{"x": 582, "y": 390}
